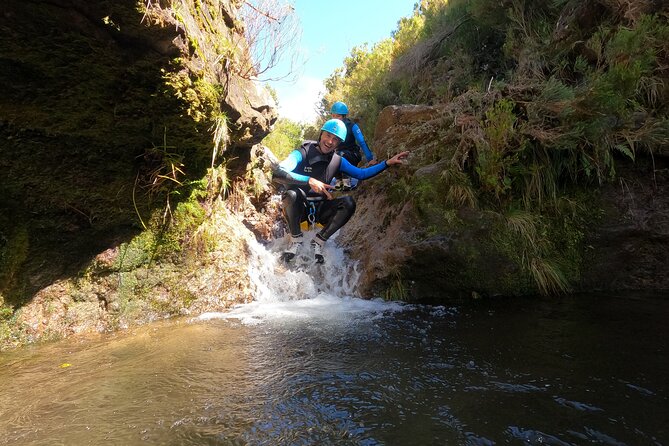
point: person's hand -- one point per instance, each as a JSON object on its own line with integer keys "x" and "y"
{"x": 398, "y": 159}
{"x": 321, "y": 188}
{"x": 372, "y": 162}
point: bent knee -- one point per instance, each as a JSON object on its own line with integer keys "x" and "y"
{"x": 290, "y": 196}
{"x": 348, "y": 203}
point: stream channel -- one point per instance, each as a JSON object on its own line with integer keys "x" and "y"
{"x": 308, "y": 363}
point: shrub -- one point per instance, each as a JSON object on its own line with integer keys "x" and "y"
{"x": 285, "y": 137}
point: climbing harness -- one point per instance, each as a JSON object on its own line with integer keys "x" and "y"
{"x": 311, "y": 222}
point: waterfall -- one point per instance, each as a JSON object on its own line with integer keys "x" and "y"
{"x": 302, "y": 278}
{"x": 303, "y": 288}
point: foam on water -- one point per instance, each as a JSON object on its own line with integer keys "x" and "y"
{"x": 304, "y": 289}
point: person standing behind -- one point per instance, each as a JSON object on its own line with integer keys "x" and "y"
{"x": 305, "y": 177}
{"x": 351, "y": 147}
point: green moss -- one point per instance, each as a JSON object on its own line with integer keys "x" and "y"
{"x": 187, "y": 218}
{"x": 138, "y": 252}
{"x": 131, "y": 299}
{"x": 5, "y": 312}
{"x": 185, "y": 297}
{"x": 201, "y": 98}
{"x": 5, "y": 333}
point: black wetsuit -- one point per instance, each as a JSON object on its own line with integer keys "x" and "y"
{"x": 294, "y": 173}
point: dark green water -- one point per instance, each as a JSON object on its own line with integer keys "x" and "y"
{"x": 570, "y": 371}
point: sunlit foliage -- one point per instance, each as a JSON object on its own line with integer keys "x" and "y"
{"x": 543, "y": 98}
{"x": 285, "y": 137}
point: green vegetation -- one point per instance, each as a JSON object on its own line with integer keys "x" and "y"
{"x": 539, "y": 101}
{"x": 397, "y": 290}
{"x": 287, "y": 136}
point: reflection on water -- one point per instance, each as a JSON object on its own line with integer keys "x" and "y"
{"x": 304, "y": 366}
{"x": 578, "y": 370}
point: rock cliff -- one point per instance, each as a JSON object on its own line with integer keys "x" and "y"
{"x": 113, "y": 114}
{"x": 410, "y": 249}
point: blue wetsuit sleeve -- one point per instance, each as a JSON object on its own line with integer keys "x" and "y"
{"x": 284, "y": 172}
{"x": 362, "y": 174}
{"x": 361, "y": 142}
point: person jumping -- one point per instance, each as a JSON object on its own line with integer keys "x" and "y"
{"x": 306, "y": 175}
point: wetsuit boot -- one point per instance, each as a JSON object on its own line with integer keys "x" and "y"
{"x": 317, "y": 244}
{"x": 293, "y": 247}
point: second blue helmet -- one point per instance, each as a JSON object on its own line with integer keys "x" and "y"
{"x": 339, "y": 108}
{"x": 336, "y": 127}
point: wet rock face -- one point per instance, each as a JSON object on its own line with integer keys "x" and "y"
{"x": 99, "y": 100}
{"x": 421, "y": 258}
{"x": 629, "y": 248}
{"x": 250, "y": 112}
{"x": 123, "y": 34}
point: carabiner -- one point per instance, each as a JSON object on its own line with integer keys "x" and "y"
{"x": 312, "y": 214}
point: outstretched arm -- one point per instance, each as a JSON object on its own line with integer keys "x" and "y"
{"x": 369, "y": 172}
{"x": 400, "y": 158}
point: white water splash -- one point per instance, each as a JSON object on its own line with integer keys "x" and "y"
{"x": 304, "y": 289}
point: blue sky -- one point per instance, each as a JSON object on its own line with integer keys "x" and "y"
{"x": 329, "y": 31}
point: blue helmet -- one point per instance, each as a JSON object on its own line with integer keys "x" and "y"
{"x": 336, "y": 127}
{"x": 339, "y": 108}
